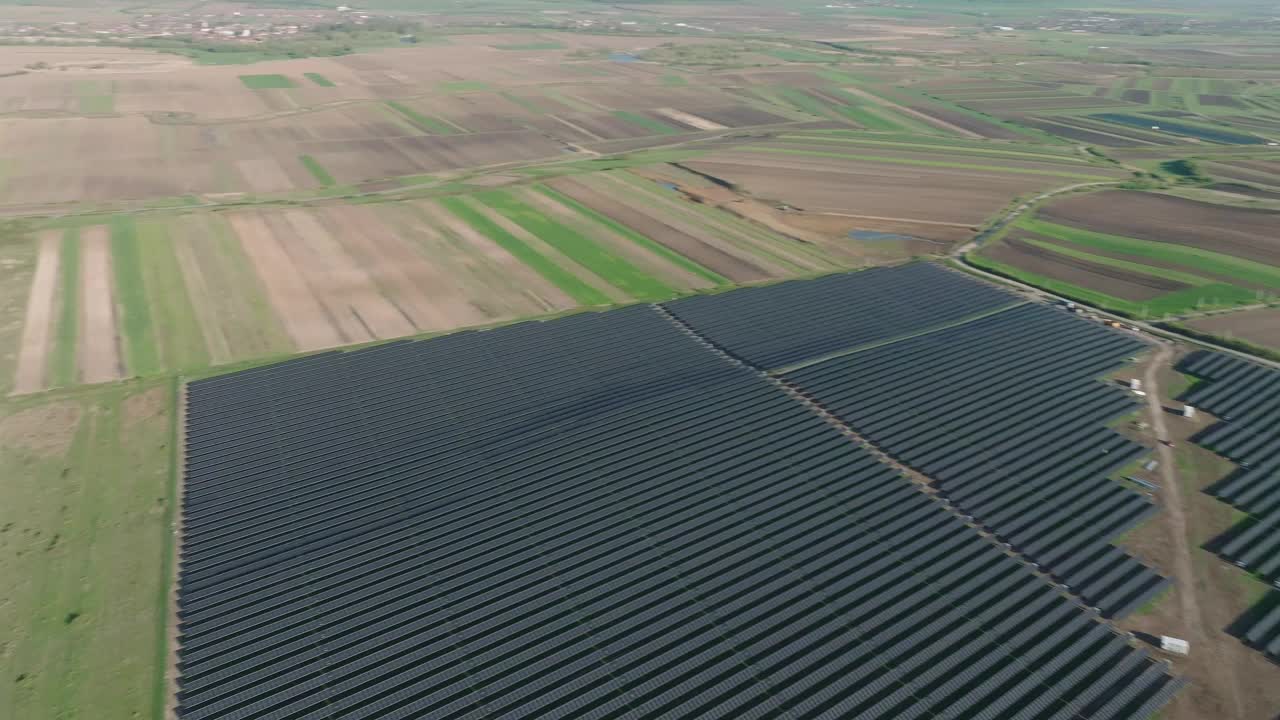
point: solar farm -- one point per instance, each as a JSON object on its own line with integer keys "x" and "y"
{"x": 634, "y": 514}
{"x": 1246, "y": 398}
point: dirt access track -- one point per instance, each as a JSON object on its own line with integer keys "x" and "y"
{"x": 1243, "y": 232}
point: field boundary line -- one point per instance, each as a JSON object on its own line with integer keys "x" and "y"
{"x": 164, "y": 703}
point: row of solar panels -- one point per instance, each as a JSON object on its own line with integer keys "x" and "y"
{"x": 1245, "y": 396}
{"x": 776, "y": 326}
{"x": 1005, "y": 414}
{"x": 594, "y": 517}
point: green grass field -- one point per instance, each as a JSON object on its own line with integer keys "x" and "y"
{"x": 63, "y": 362}
{"x": 654, "y": 247}
{"x": 1183, "y": 255}
{"x": 318, "y": 79}
{"x": 317, "y": 171}
{"x": 611, "y": 268}
{"x": 85, "y": 536}
{"x": 266, "y": 82}
{"x": 1205, "y": 293}
{"x": 647, "y": 123}
{"x": 425, "y": 123}
{"x": 141, "y": 349}
{"x": 553, "y": 273}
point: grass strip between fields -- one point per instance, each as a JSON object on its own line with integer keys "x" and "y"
{"x": 929, "y": 146}
{"x": 319, "y": 79}
{"x": 652, "y": 246}
{"x": 613, "y": 269}
{"x": 131, "y": 296}
{"x": 647, "y": 123}
{"x": 266, "y": 82}
{"x": 1133, "y": 267}
{"x": 1202, "y": 297}
{"x": 1191, "y": 257}
{"x": 423, "y": 122}
{"x": 182, "y": 344}
{"x": 317, "y": 171}
{"x": 923, "y": 163}
{"x": 576, "y": 289}
{"x": 63, "y": 365}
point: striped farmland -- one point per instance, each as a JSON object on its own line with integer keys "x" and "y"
{"x": 594, "y": 517}
{"x": 1246, "y": 398}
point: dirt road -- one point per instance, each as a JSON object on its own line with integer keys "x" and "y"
{"x": 1203, "y": 636}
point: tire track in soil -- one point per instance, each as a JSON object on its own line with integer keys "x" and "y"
{"x": 36, "y": 342}
{"x": 99, "y": 344}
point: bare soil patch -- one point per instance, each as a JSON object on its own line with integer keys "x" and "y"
{"x": 35, "y": 345}
{"x": 99, "y": 345}
{"x": 303, "y": 316}
{"x": 967, "y": 122}
{"x": 1244, "y": 232}
{"x": 1260, "y": 326}
{"x": 1013, "y": 250}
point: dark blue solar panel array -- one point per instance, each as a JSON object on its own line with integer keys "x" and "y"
{"x": 1246, "y": 397}
{"x": 774, "y": 326}
{"x": 594, "y": 517}
{"x": 1006, "y": 416}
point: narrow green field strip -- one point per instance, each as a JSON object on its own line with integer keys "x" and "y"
{"x": 992, "y": 152}
{"x": 423, "y": 122}
{"x": 674, "y": 81}
{"x": 62, "y": 363}
{"x": 97, "y": 104}
{"x": 458, "y": 86}
{"x": 135, "y": 325}
{"x": 525, "y": 104}
{"x": 319, "y": 79}
{"x": 647, "y": 123}
{"x": 176, "y": 322}
{"x": 1185, "y": 255}
{"x": 256, "y": 329}
{"x": 573, "y": 103}
{"x": 266, "y": 82}
{"x": 925, "y": 163}
{"x": 803, "y": 101}
{"x": 611, "y": 268}
{"x": 943, "y": 141}
{"x": 656, "y": 248}
{"x": 540, "y": 45}
{"x": 1133, "y": 267}
{"x": 553, "y": 273}
{"x": 317, "y": 171}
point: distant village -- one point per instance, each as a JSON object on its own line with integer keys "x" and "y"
{"x": 247, "y": 27}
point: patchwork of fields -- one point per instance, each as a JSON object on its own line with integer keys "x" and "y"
{"x": 1146, "y": 255}
{"x": 144, "y": 294}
